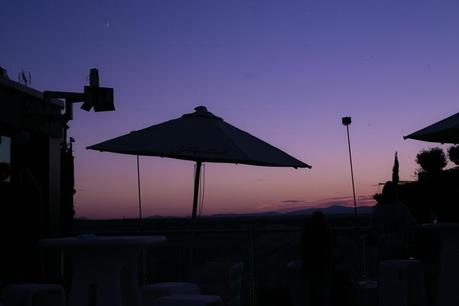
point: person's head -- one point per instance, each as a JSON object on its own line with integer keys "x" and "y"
{"x": 389, "y": 192}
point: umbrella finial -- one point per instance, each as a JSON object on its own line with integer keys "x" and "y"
{"x": 201, "y": 109}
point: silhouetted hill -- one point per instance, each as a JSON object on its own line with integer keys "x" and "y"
{"x": 330, "y": 210}
{"x": 261, "y": 214}
{"x": 333, "y": 210}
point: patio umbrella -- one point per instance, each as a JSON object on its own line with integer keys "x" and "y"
{"x": 443, "y": 131}
{"x": 201, "y": 137}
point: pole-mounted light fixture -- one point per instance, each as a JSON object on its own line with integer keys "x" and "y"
{"x": 99, "y": 98}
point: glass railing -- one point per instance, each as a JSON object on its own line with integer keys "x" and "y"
{"x": 247, "y": 266}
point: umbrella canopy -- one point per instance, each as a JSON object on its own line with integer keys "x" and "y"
{"x": 201, "y": 137}
{"x": 443, "y": 131}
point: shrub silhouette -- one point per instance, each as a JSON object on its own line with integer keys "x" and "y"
{"x": 395, "y": 170}
{"x": 453, "y": 154}
{"x": 431, "y": 160}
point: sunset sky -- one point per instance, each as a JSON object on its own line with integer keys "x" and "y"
{"x": 284, "y": 71}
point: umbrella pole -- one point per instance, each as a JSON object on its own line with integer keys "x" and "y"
{"x": 193, "y": 216}
{"x": 196, "y": 189}
{"x": 139, "y": 195}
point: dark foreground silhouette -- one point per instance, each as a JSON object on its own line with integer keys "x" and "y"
{"x": 317, "y": 253}
{"x": 393, "y": 224}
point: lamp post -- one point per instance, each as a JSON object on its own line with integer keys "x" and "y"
{"x": 346, "y": 122}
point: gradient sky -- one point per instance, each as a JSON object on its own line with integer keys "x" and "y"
{"x": 285, "y": 71}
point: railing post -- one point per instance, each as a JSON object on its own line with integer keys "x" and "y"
{"x": 252, "y": 291}
{"x": 143, "y": 262}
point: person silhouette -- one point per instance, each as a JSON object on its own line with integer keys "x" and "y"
{"x": 392, "y": 223}
{"x": 317, "y": 260}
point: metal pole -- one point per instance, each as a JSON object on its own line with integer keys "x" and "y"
{"x": 252, "y": 291}
{"x": 196, "y": 189}
{"x": 364, "y": 258}
{"x": 352, "y": 171}
{"x": 193, "y": 215}
{"x": 138, "y": 189}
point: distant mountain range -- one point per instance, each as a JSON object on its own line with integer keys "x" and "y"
{"x": 330, "y": 210}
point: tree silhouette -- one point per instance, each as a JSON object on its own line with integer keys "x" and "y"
{"x": 395, "y": 170}
{"x": 431, "y": 160}
{"x": 453, "y": 154}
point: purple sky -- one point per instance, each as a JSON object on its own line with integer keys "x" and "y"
{"x": 285, "y": 71}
